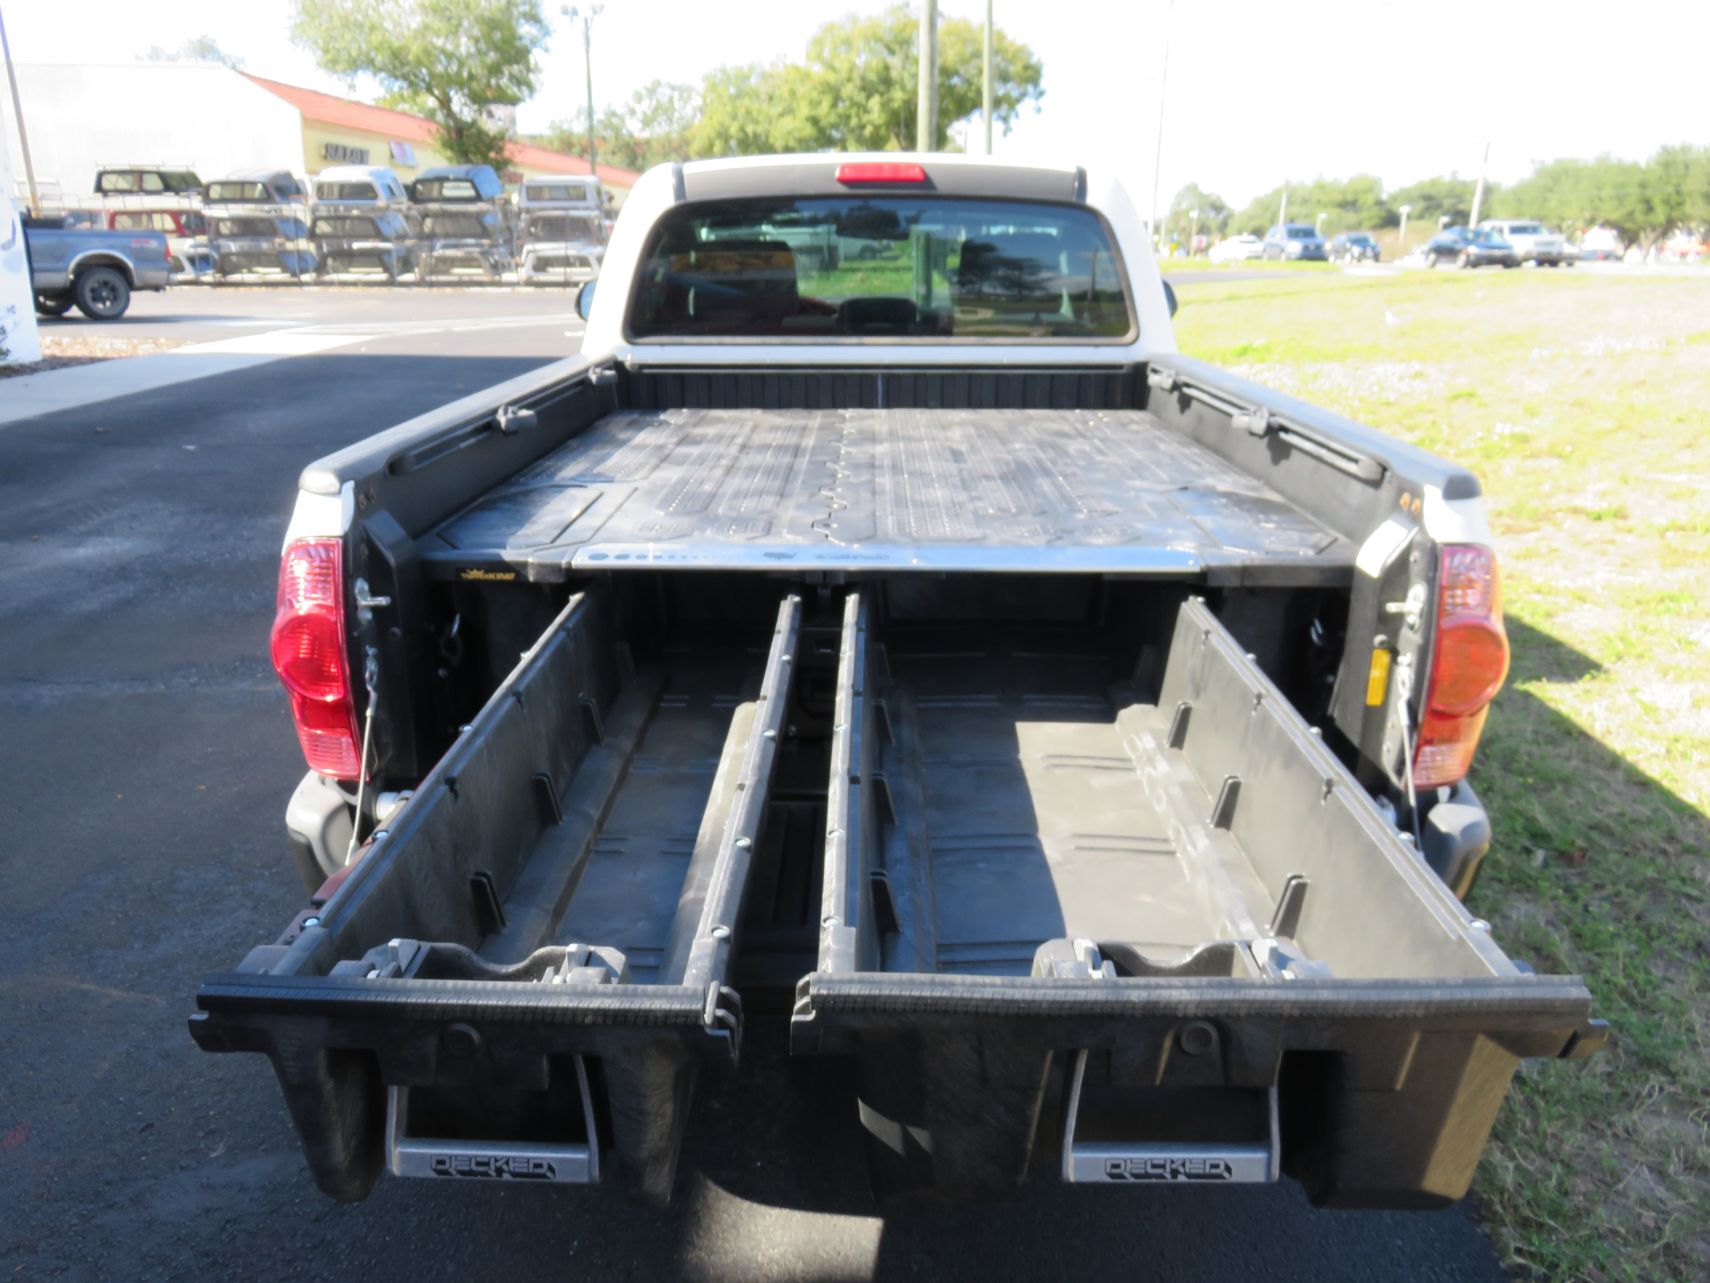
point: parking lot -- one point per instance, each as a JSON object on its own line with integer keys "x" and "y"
{"x": 148, "y": 755}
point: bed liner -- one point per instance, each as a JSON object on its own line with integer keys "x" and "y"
{"x": 1067, "y": 490}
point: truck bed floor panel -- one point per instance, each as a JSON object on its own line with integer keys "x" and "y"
{"x": 870, "y": 489}
{"x": 1035, "y": 814}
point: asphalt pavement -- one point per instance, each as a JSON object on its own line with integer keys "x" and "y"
{"x": 145, "y": 759}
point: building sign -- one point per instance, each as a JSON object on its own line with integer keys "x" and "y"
{"x": 341, "y": 153}
{"x": 403, "y": 153}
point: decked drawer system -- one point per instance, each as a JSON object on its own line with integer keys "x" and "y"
{"x": 1079, "y": 900}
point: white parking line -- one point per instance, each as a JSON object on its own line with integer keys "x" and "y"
{"x": 53, "y": 391}
{"x": 297, "y": 342}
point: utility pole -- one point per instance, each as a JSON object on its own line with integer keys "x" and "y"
{"x": 1401, "y": 236}
{"x": 1163, "y": 92}
{"x": 1478, "y": 192}
{"x": 587, "y": 13}
{"x": 986, "y": 81}
{"x": 926, "y": 109}
{"x": 18, "y": 114}
{"x": 1282, "y": 212}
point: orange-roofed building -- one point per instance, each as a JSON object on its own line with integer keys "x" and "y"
{"x": 337, "y": 131}
{"x": 214, "y": 120}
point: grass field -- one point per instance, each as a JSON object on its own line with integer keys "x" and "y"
{"x": 1583, "y": 402}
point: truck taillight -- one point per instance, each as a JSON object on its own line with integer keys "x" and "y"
{"x": 308, "y": 652}
{"x": 1467, "y": 667}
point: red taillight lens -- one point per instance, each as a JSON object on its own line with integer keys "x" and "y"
{"x": 1467, "y": 668}
{"x": 881, "y": 171}
{"x": 308, "y": 654}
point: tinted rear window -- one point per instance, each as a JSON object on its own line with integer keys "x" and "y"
{"x": 881, "y": 266}
{"x": 558, "y": 191}
{"x": 346, "y": 191}
{"x": 431, "y": 189}
{"x": 563, "y": 227}
{"x": 468, "y": 225}
{"x": 346, "y": 227}
{"x": 1301, "y": 231}
{"x": 237, "y": 191}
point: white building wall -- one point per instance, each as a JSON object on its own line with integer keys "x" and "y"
{"x": 82, "y": 116}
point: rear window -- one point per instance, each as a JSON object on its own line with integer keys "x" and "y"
{"x": 564, "y": 227}
{"x": 346, "y": 227}
{"x": 430, "y": 189}
{"x": 558, "y": 191}
{"x": 237, "y": 191}
{"x": 1523, "y": 229}
{"x": 455, "y": 225}
{"x": 1302, "y": 232}
{"x": 346, "y": 191}
{"x": 881, "y": 266}
{"x": 244, "y": 227}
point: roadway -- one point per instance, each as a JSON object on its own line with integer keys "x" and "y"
{"x": 147, "y": 756}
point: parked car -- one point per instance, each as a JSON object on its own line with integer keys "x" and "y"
{"x": 1070, "y": 732}
{"x": 1236, "y": 249}
{"x": 461, "y": 223}
{"x": 360, "y": 186}
{"x": 147, "y": 180}
{"x": 463, "y": 240}
{"x": 256, "y": 243}
{"x": 92, "y": 270}
{"x": 1354, "y": 247}
{"x": 1532, "y": 241}
{"x": 1684, "y": 246}
{"x": 1466, "y": 248}
{"x": 1601, "y": 245}
{"x": 186, "y": 232}
{"x": 1298, "y": 242}
{"x": 255, "y": 187}
{"x": 368, "y": 242}
{"x": 556, "y": 246}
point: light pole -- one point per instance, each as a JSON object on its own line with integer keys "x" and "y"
{"x": 926, "y": 105}
{"x": 1478, "y": 192}
{"x": 1163, "y": 94}
{"x": 587, "y": 13}
{"x": 1318, "y": 223}
{"x": 1193, "y": 230}
{"x": 1401, "y": 236}
{"x": 18, "y": 112}
{"x": 986, "y": 80}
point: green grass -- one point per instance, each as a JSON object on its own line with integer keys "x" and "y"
{"x": 1579, "y": 399}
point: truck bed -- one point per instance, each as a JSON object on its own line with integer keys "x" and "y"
{"x": 1066, "y": 490}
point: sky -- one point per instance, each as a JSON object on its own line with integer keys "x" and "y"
{"x": 1256, "y": 93}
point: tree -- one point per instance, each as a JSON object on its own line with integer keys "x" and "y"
{"x": 857, "y": 89}
{"x": 198, "y": 49}
{"x": 444, "y": 59}
{"x": 1434, "y": 199}
{"x": 654, "y": 126}
{"x": 1180, "y": 222}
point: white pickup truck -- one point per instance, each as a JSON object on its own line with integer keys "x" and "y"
{"x": 881, "y": 613}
